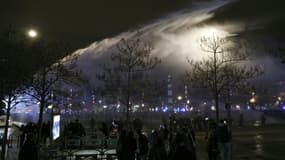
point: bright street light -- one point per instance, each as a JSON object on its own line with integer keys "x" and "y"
{"x": 252, "y": 100}
{"x": 32, "y": 33}
{"x": 179, "y": 97}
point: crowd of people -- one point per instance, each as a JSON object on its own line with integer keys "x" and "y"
{"x": 74, "y": 128}
{"x": 173, "y": 140}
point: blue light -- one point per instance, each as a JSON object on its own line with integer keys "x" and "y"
{"x": 283, "y": 107}
{"x": 165, "y": 109}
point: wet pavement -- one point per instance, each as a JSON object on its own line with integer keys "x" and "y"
{"x": 253, "y": 143}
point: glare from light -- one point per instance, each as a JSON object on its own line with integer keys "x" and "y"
{"x": 213, "y": 108}
{"x": 32, "y": 33}
{"x": 50, "y": 106}
{"x": 252, "y": 100}
{"x": 179, "y": 97}
{"x": 211, "y": 32}
{"x": 188, "y": 101}
{"x": 238, "y": 107}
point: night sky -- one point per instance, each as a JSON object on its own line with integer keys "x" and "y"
{"x": 79, "y": 23}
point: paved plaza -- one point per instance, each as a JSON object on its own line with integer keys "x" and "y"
{"x": 249, "y": 143}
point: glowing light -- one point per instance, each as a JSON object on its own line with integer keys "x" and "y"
{"x": 210, "y": 32}
{"x": 188, "y": 101}
{"x": 179, "y": 97}
{"x": 32, "y": 33}
{"x": 104, "y": 107}
{"x": 279, "y": 98}
{"x": 142, "y": 105}
{"x": 50, "y": 106}
{"x": 213, "y": 108}
{"x": 252, "y": 100}
{"x": 238, "y": 107}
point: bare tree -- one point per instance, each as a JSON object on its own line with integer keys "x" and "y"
{"x": 123, "y": 77}
{"x": 13, "y": 71}
{"x": 225, "y": 68}
{"x": 52, "y": 70}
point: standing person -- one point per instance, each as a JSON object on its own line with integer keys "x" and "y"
{"x": 263, "y": 119}
{"x": 143, "y": 146}
{"x": 224, "y": 140}
{"x": 212, "y": 142}
{"x": 121, "y": 143}
{"x": 183, "y": 149}
{"x": 192, "y": 140}
{"x": 241, "y": 119}
{"x": 129, "y": 147}
{"x": 92, "y": 123}
{"x": 29, "y": 149}
{"x": 78, "y": 129}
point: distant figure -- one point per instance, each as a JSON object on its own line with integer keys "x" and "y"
{"x": 158, "y": 150}
{"x": 104, "y": 129}
{"x": 92, "y": 123}
{"x": 129, "y": 147}
{"x": 121, "y": 140}
{"x": 212, "y": 142}
{"x": 143, "y": 146}
{"x": 241, "y": 119}
{"x": 224, "y": 138}
{"x": 263, "y": 119}
{"x": 78, "y": 129}
{"x": 184, "y": 150}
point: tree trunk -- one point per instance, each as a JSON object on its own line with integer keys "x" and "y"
{"x": 217, "y": 107}
{"x": 39, "y": 126}
{"x": 128, "y": 95}
{"x": 40, "y": 121}
{"x": 5, "y": 136}
{"x": 216, "y": 93}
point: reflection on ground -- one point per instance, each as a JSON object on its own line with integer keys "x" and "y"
{"x": 253, "y": 143}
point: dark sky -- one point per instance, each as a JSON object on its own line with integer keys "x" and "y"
{"x": 80, "y": 22}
